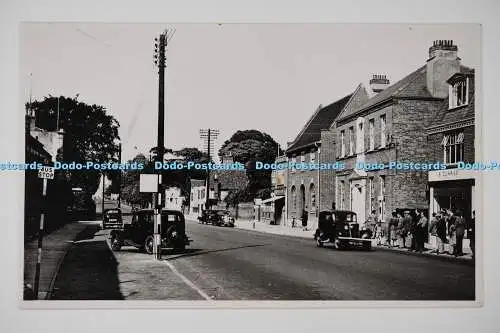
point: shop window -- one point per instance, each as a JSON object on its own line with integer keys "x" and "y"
{"x": 453, "y": 148}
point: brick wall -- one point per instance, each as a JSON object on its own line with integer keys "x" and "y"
{"x": 327, "y": 177}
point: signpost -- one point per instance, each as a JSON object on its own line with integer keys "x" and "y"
{"x": 149, "y": 183}
{"x": 44, "y": 173}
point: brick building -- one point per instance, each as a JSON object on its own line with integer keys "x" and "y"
{"x": 303, "y": 185}
{"x": 389, "y": 126}
{"x": 451, "y": 141}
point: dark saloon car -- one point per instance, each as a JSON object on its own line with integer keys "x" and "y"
{"x": 112, "y": 219}
{"x": 139, "y": 232}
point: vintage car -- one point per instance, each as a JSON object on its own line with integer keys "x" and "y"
{"x": 341, "y": 228}
{"x": 112, "y": 219}
{"x": 139, "y": 232}
{"x": 217, "y": 217}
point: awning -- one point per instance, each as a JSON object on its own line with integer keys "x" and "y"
{"x": 272, "y": 199}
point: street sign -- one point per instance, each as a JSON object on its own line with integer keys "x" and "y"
{"x": 46, "y": 172}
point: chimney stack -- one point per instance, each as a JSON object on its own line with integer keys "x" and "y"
{"x": 443, "y": 62}
{"x": 379, "y": 82}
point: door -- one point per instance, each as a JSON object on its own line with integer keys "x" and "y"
{"x": 358, "y": 199}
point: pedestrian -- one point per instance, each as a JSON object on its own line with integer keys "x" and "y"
{"x": 414, "y": 230}
{"x": 471, "y": 233}
{"x": 378, "y": 232}
{"x": 433, "y": 230}
{"x": 393, "y": 229}
{"x": 407, "y": 222}
{"x": 304, "y": 219}
{"x": 441, "y": 232}
{"x": 422, "y": 231}
{"x": 460, "y": 233}
{"x": 372, "y": 223}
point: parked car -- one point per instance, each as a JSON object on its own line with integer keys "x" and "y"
{"x": 139, "y": 232}
{"x": 112, "y": 219}
{"x": 222, "y": 218}
{"x": 341, "y": 228}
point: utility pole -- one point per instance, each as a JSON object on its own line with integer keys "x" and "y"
{"x": 102, "y": 203}
{"x": 119, "y": 176}
{"x": 208, "y": 136}
{"x": 160, "y": 46}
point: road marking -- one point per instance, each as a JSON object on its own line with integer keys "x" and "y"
{"x": 187, "y": 281}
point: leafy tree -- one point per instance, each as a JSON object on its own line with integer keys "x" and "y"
{"x": 248, "y": 147}
{"x": 90, "y": 134}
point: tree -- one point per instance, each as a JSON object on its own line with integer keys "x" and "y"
{"x": 90, "y": 134}
{"x": 130, "y": 184}
{"x": 249, "y": 147}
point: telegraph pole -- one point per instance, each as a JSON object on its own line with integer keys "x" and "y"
{"x": 208, "y": 135}
{"x": 119, "y": 176}
{"x": 160, "y": 46}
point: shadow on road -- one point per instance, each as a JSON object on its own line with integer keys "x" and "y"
{"x": 195, "y": 252}
{"x": 89, "y": 270}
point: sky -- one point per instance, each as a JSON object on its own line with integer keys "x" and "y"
{"x": 269, "y": 77}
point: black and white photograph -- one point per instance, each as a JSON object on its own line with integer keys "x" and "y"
{"x": 251, "y": 162}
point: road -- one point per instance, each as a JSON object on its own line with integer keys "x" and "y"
{"x": 235, "y": 264}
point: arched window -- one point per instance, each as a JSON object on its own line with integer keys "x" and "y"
{"x": 312, "y": 192}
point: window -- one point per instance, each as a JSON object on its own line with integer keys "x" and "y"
{"x": 453, "y": 146}
{"x": 312, "y": 191}
{"x": 458, "y": 94}
{"x": 360, "y": 138}
{"x": 294, "y": 198}
{"x": 341, "y": 195}
{"x": 342, "y": 143}
{"x": 351, "y": 141}
{"x": 382, "y": 131}
{"x": 312, "y": 157}
{"x": 293, "y": 160}
{"x": 302, "y": 158}
{"x": 372, "y": 194}
{"x": 372, "y": 133}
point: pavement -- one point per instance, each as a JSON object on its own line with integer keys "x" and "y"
{"x": 242, "y": 264}
{"x": 54, "y": 247}
{"x": 299, "y": 232}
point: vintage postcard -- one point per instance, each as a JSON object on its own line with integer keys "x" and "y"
{"x": 196, "y": 164}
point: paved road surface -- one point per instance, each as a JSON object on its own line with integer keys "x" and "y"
{"x": 235, "y": 264}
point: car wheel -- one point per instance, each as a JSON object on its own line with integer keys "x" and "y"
{"x": 115, "y": 244}
{"x": 149, "y": 244}
{"x": 319, "y": 243}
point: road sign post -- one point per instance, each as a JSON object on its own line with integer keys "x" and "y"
{"x": 44, "y": 173}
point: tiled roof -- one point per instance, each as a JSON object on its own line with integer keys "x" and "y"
{"x": 414, "y": 85}
{"x": 321, "y": 119}
{"x": 446, "y": 116}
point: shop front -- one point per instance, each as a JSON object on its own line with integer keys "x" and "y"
{"x": 452, "y": 189}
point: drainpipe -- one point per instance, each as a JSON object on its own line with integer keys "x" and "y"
{"x": 318, "y": 200}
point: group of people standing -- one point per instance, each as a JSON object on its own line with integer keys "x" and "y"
{"x": 412, "y": 229}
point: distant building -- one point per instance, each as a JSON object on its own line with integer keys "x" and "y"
{"x": 303, "y": 185}
{"x": 225, "y": 182}
{"x": 198, "y": 197}
{"x": 173, "y": 198}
